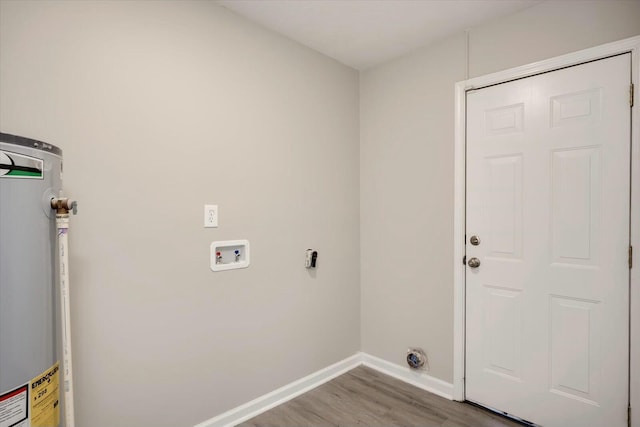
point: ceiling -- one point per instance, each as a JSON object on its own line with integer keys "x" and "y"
{"x": 365, "y": 33}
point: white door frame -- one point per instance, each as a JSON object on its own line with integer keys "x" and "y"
{"x": 627, "y": 45}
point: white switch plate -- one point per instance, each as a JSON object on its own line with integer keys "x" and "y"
{"x": 210, "y": 216}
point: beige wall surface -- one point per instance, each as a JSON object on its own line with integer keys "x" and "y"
{"x": 549, "y": 29}
{"x": 406, "y": 204}
{"x": 161, "y": 107}
{"x": 406, "y": 166}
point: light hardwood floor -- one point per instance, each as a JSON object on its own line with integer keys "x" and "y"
{"x": 365, "y": 397}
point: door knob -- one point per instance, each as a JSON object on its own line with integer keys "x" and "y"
{"x": 474, "y": 240}
{"x": 474, "y": 263}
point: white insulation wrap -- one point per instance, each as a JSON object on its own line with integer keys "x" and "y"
{"x": 62, "y": 225}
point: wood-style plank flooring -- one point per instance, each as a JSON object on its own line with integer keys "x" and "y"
{"x": 365, "y": 397}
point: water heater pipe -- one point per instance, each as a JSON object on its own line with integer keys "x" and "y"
{"x": 62, "y": 207}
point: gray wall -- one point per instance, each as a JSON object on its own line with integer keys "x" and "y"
{"x": 406, "y": 166}
{"x": 161, "y": 107}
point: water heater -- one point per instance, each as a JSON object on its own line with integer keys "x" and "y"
{"x": 30, "y": 176}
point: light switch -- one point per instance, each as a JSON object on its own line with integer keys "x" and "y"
{"x": 210, "y": 216}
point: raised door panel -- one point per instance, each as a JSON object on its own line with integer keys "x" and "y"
{"x": 575, "y": 207}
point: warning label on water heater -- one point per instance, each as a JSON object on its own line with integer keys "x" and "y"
{"x": 35, "y": 404}
{"x": 14, "y": 407}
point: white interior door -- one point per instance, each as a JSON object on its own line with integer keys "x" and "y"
{"x": 548, "y": 184}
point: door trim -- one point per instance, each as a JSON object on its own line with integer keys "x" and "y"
{"x": 627, "y": 45}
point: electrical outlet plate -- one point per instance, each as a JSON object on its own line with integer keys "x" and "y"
{"x": 210, "y": 216}
{"x": 233, "y": 254}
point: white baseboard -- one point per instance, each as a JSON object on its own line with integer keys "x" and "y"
{"x": 277, "y": 397}
{"x": 283, "y": 394}
{"x": 404, "y": 373}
